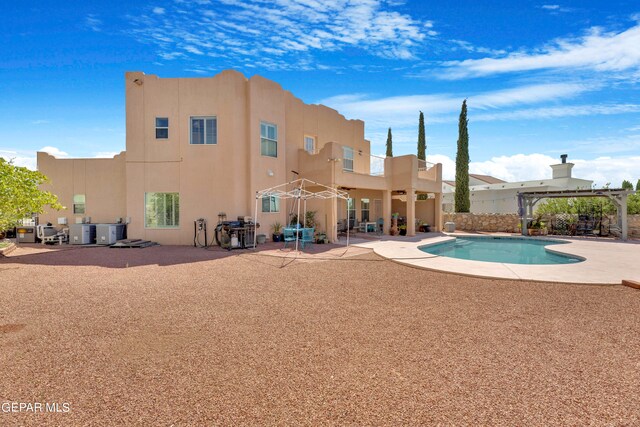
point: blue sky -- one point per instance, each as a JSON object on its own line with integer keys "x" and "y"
{"x": 541, "y": 78}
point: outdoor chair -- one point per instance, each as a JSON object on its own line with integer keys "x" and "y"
{"x": 380, "y": 227}
{"x": 289, "y": 235}
{"x": 307, "y": 236}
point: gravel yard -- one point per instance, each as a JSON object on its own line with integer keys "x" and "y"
{"x": 186, "y": 336}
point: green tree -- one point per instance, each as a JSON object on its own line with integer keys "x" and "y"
{"x": 638, "y": 185}
{"x": 627, "y": 185}
{"x": 389, "y": 144}
{"x": 20, "y": 195}
{"x": 422, "y": 143}
{"x": 462, "y": 201}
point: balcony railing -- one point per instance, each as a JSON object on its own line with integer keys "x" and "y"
{"x": 424, "y": 165}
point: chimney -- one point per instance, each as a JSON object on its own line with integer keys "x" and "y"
{"x": 563, "y": 170}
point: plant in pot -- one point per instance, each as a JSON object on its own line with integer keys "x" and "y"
{"x": 394, "y": 224}
{"x": 403, "y": 230}
{"x": 321, "y": 237}
{"x": 276, "y": 227}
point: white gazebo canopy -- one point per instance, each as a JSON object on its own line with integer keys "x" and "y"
{"x": 299, "y": 191}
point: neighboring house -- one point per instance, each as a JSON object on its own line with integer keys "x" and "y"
{"x": 199, "y": 146}
{"x": 492, "y": 195}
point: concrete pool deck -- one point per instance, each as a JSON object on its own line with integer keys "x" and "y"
{"x": 606, "y": 261}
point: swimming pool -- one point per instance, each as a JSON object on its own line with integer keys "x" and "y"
{"x": 510, "y": 250}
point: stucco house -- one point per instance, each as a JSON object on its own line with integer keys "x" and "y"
{"x": 199, "y": 146}
{"x": 492, "y": 195}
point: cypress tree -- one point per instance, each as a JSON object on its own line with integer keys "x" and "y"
{"x": 638, "y": 185}
{"x": 389, "y": 144}
{"x": 422, "y": 143}
{"x": 462, "y": 202}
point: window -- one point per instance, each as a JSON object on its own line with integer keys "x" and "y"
{"x": 268, "y": 139}
{"x": 162, "y": 210}
{"x": 162, "y": 127}
{"x": 204, "y": 130}
{"x": 347, "y": 159}
{"x": 79, "y": 204}
{"x": 270, "y": 204}
{"x": 351, "y": 211}
{"x": 364, "y": 210}
{"x": 309, "y": 144}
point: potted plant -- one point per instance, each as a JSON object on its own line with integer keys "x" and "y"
{"x": 394, "y": 224}
{"x": 321, "y": 237}
{"x": 276, "y": 227}
{"x": 424, "y": 228}
{"x": 403, "y": 230}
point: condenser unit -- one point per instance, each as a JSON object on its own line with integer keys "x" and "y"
{"x": 108, "y": 234}
{"x": 82, "y": 234}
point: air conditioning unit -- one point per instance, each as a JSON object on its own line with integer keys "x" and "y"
{"x": 82, "y": 234}
{"x": 108, "y": 234}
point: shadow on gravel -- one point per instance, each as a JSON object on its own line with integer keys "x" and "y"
{"x": 100, "y": 256}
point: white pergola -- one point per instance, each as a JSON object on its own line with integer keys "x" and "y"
{"x": 299, "y": 191}
{"x": 528, "y": 199}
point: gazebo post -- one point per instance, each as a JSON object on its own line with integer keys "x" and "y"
{"x": 298, "y": 217}
{"x": 255, "y": 224}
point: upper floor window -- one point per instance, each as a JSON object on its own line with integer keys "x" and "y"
{"x": 347, "y": 159}
{"x": 270, "y": 204}
{"x": 309, "y": 144}
{"x": 162, "y": 127}
{"x": 79, "y": 204}
{"x": 204, "y": 130}
{"x": 162, "y": 210}
{"x": 268, "y": 139}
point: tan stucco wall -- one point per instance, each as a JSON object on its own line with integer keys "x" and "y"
{"x": 102, "y": 181}
{"x": 226, "y": 176}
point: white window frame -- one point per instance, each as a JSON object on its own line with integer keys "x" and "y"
{"x": 78, "y": 204}
{"x": 265, "y": 140}
{"x": 162, "y": 127}
{"x": 347, "y": 159}
{"x": 274, "y": 204}
{"x": 308, "y": 139}
{"x": 175, "y": 210}
{"x": 205, "y": 119}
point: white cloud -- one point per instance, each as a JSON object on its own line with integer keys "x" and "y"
{"x": 40, "y": 122}
{"x": 557, "y": 112}
{"x": 20, "y": 158}
{"x": 525, "y": 167}
{"x": 551, "y": 6}
{"x": 402, "y": 110}
{"x": 235, "y": 30}
{"x": 54, "y": 151}
{"x": 597, "y": 50}
{"x": 93, "y": 23}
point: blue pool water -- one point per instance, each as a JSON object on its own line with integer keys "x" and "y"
{"x": 511, "y": 250}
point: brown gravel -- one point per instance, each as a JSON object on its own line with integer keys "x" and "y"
{"x": 187, "y": 336}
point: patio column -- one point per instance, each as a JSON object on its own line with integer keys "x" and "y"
{"x": 437, "y": 217}
{"x": 386, "y": 210}
{"x": 411, "y": 212}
